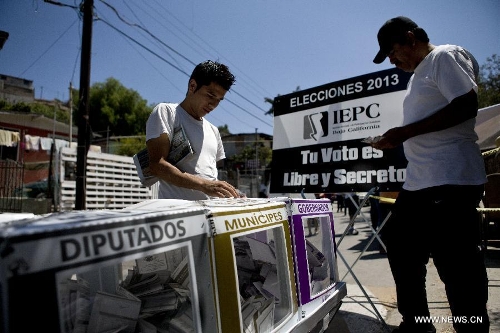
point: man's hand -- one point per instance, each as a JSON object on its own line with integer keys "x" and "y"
{"x": 459, "y": 110}
{"x": 219, "y": 189}
{"x": 390, "y": 139}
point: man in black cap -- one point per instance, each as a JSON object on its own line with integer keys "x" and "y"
{"x": 435, "y": 212}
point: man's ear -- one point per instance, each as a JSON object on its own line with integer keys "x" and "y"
{"x": 192, "y": 86}
{"x": 410, "y": 38}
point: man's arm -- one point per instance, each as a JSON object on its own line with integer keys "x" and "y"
{"x": 459, "y": 110}
{"x": 158, "y": 149}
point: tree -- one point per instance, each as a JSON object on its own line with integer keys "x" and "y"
{"x": 48, "y": 111}
{"x": 248, "y": 153}
{"x": 270, "y": 112}
{"x": 121, "y": 110}
{"x": 224, "y": 130}
{"x": 489, "y": 82}
{"x": 44, "y": 109}
{"x": 130, "y": 146}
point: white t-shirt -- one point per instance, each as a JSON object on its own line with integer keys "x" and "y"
{"x": 450, "y": 156}
{"x": 205, "y": 140}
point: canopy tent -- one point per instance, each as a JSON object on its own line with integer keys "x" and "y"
{"x": 488, "y": 126}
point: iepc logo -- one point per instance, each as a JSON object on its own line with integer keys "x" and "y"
{"x": 316, "y": 125}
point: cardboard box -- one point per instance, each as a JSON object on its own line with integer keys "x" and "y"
{"x": 312, "y": 229}
{"x": 108, "y": 270}
{"x": 253, "y": 265}
{"x": 221, "y": 265}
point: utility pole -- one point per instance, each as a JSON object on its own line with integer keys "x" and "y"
{"x": 256, "y": 152}
{"x": 70, "y": 113}
{"x": 4, "y": 35}
{"x": 83, "y": 108}
{"x": 256, "y": 179}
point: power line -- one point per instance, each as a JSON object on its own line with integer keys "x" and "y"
{"x": 190, "y": 45}
{"x": 60, "y": 4}
{"x": 180, "y": 22}
{"x": 169, "y": 47}
{"x": 171, "y": 64}
{"x": 147, "y": 31}
{"x": 48, "y": 49}
{"x": 143, "y": 46}
{"x": 139, "y": 20}
{"x": 129, "y": 38}
{"x": 259, "y": 119}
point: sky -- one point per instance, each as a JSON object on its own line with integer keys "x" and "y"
{"x": 273, "y": 47}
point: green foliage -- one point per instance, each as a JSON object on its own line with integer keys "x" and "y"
{"x": 113, "y": 106}
{"x": 248, "y": 153}
{"x": 270, "y": 112}
{"x": 21, "y": 107}
{"x": 489, "y": 82}
{"x": 265, "y": 155}
{"x": 224, "y": 130}
{"x": 48, "y": 111}
{"x": 62, "y": 115}
{"x": 130, "y": 146}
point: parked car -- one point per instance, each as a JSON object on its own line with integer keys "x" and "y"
{"x": 37, "y": 190}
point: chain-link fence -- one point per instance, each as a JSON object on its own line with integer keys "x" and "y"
{"x": 11, "y": 182}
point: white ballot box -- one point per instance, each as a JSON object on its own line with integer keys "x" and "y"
{"x": 253, "y": 266}
{"x": 133, "y": 270}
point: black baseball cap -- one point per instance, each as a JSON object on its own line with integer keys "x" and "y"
{"x": 392, "y": 31}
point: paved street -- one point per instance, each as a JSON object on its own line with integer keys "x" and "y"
{"x": 357, "y": 315}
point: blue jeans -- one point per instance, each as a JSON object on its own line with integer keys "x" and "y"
{"x": 443, "y": 222}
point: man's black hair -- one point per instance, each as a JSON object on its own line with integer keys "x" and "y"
{"x": 211, "y": 71}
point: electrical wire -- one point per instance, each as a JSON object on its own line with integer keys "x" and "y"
{"x": 60, "y": 4}
{"x": 143, "y": 46}
{"x": 171, "y": 64}
{"x": 210, "y": 46}
{"x": 190, "y": 45}
{"x": 170, "y": 48}
{"x": 139, "y": 20}
{"x": 48, "y": 49}
{"x": 129, "y": 38}
{"x": 147, "y": 31}
{"x": 150, "y": 39}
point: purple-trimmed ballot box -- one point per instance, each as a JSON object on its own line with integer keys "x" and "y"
{"x": 312, "y": 230}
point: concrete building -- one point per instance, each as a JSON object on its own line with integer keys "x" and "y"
{"x": 252, "y": 174}
{"x": 15, "y": 90}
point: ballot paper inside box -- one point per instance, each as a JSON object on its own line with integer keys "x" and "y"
{"x": 108, "y": 271}
{"x": 156, "y": 205}
{"x": 313, "y": 238}
{"x": 253, "y": 267}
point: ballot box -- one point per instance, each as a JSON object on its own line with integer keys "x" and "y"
{"x": 312, "y": 229}
{"x": 10, "y": 217}
{"x": 133, "y": 270}
{"x": 253, "y": 266}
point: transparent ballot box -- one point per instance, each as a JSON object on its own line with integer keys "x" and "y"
{"x": 319, "y": 290}
{"x": 108, "y": 271}
{"x": 255, "y": 285}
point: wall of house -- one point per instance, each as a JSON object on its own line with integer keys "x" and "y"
{"x": 16, "y": 90}
{"x": 36, "y": 135}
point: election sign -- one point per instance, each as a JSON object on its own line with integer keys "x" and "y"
{"x": 318, "y": 133}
